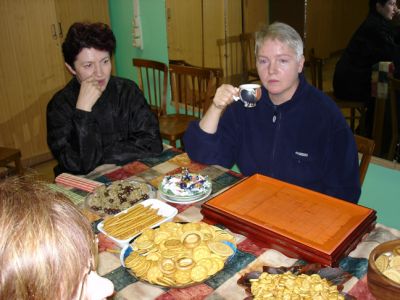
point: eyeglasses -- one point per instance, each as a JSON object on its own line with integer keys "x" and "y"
{"x": 84, "y": 280}
{"x": 92, "y": 267}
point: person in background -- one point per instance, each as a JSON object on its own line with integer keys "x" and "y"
{"x": 98, "y": 118}
{"x": 47, "y": 247}
{"x": 295, "y": 133}
{"x": 375, "y": 40}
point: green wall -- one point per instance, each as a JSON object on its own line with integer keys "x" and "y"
{"x": 154, "y": 33}
{"x": 381, "y": 189}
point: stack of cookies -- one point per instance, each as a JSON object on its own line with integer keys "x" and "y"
{"x": 179, "y": 255}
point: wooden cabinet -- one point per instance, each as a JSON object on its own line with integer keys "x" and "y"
{"x": 32, "y": 67}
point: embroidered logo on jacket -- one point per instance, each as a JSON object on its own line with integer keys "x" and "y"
{"x": 302, "y": 154}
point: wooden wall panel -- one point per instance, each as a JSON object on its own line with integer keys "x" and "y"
{"x": 71, "y": 11}
{"x": 184, "y": 28}
{"x": 32, "y": 67}
{"x": 331, "y": 23}
{"x": 288, "y": 11}
{"x": 255, "y": 14}
{"x": 30, "y": 73}
{"x": 213, "y": 26}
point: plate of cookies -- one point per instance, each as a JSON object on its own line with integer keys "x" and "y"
{"x": 126, "y": 225}
{"x": 178, "y": 254}
{"x": 117, "y": 196}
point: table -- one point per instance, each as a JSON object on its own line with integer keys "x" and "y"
{"x": 380, "y": 91}
{"x": 250, "y": 255}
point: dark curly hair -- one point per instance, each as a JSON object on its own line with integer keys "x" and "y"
{"x": 372, "y": 4}
{"x": 87, "y": 35}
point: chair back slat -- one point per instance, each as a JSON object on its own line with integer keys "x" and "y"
{"x": 248, "y": 43}
{"x": 366, "y": 147}
{"x": 153, "y": 81}
{"x": 230, "y": 51}
{"x": 190, "y": 88}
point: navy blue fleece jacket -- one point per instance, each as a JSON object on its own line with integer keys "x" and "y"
{"x": 309, "y": 143}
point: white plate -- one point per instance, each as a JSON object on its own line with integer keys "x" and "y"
{"x": 177, "y": 201}
{"x": 184, "y": 193}
{"x": 182, "y": 199}
{"x": 165, "y": 210}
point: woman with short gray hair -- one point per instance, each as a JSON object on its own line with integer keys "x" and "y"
{"x": 295, "y": 132}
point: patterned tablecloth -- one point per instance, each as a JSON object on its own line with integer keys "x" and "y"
{"x": 249, "y": 257}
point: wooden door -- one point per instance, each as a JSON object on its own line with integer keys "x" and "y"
{"x": 31, "y": 71}
{"x": 184, "y": 29}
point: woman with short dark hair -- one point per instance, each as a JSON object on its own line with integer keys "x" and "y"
{"x": 98, "y": 118}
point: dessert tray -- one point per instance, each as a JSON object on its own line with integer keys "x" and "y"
{"x": 185, "y": 188}
{"x": 178, "y": 254}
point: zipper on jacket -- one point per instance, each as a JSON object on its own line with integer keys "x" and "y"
{"x": 274, "y": 115}
{"x": 275, "y": 118}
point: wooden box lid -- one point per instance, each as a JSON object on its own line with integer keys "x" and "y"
{"x": 296, "y": 221}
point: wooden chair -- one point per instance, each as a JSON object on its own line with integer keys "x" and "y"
{"x": 315, "y": 65}
{"x": 153, "y": 81}
{"x": 218, "y": 74}
{"x": 191, "y": 91}
{"x": 249, "y": 57}
{"x": 357, "y": 109}
{"x": 10, "y": 155}
{"x": 394, "y": 90}
{"x": 366, "y": 147}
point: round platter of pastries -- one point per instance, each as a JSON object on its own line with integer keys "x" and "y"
{"x": 179, "y": 254}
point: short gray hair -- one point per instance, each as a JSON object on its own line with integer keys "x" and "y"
{"x": 283, "y": 33}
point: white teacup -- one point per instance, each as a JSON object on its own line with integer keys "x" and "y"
{"x": 249, "y": 94}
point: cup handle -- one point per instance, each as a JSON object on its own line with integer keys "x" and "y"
{"x": 236, "y": 98}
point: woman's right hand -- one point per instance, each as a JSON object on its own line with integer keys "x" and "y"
{"x": 89, "y": 93}
{"x": 224, "y": 96}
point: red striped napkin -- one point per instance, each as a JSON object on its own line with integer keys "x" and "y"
{"x": 77, "y": 182}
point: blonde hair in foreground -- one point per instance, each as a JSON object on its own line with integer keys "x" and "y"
{"x": 45, "y": 242}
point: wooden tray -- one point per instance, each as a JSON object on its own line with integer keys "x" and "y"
{"x": 293, "y": 220}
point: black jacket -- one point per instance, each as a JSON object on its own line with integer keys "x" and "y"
{"x": 375, "y": 40}
{"x": 120, "y": 128}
